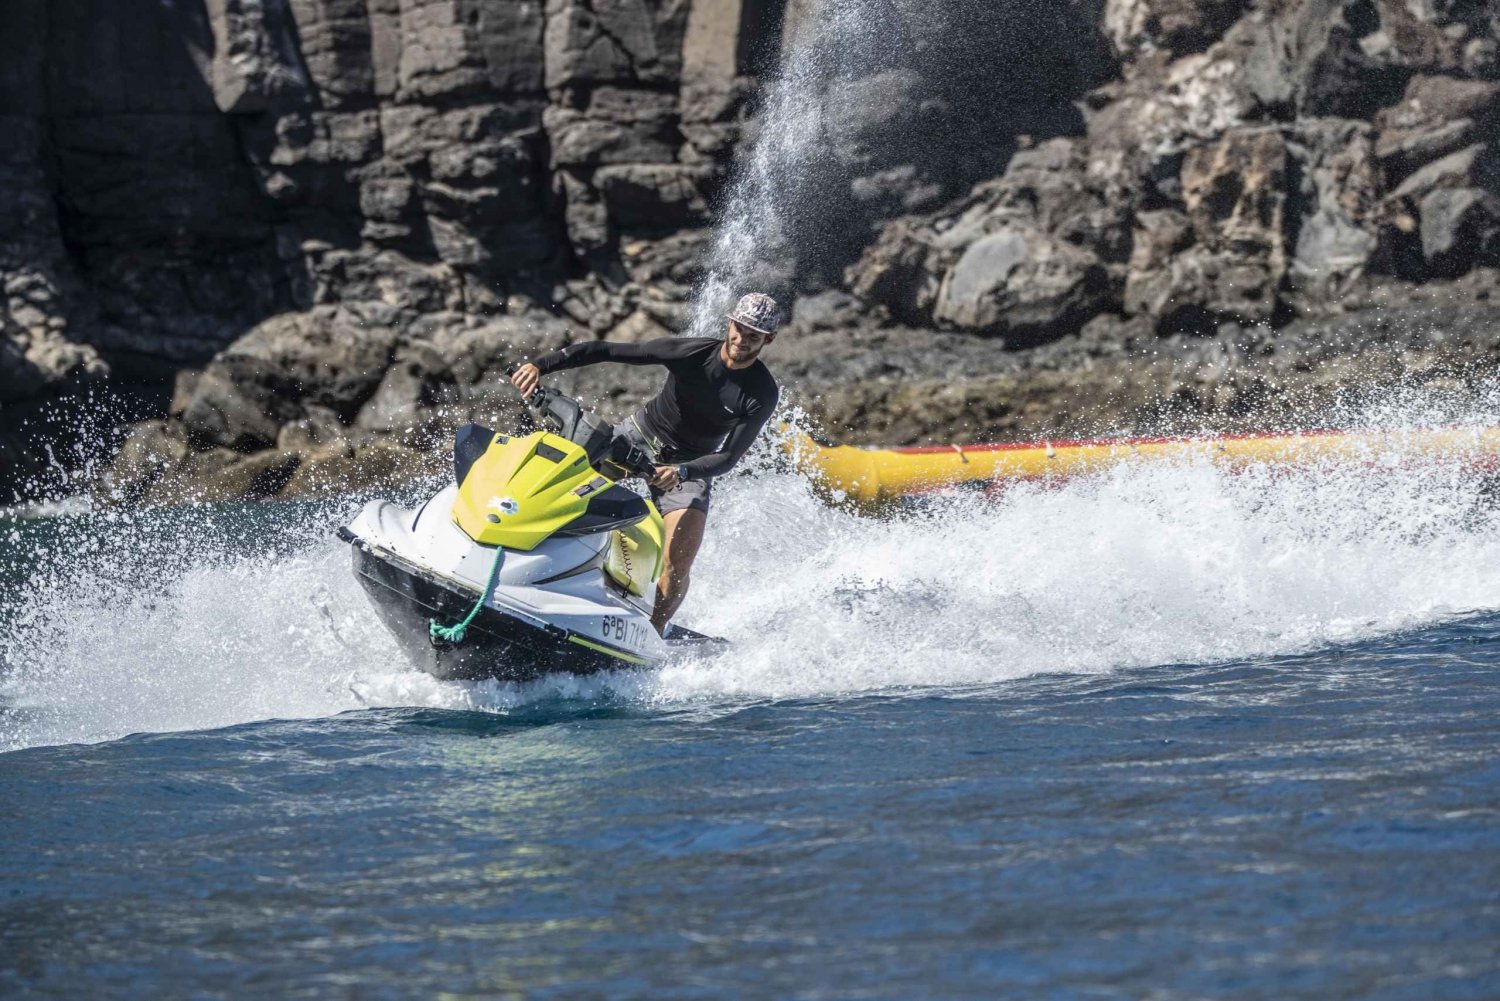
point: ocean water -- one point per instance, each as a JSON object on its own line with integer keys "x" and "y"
{"x": 1165, "y": 732}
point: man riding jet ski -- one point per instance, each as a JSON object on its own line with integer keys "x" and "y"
{"x": 717, "y": 398}
{"x": 534, "y": 559}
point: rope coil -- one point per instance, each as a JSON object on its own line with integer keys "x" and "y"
{"x": 456, "y": 632}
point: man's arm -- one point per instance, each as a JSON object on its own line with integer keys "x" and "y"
{"x": 662, "y": 351}
{"x": 735, "y": 446}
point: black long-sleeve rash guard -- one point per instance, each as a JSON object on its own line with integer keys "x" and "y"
{"x": 707, "y": 414}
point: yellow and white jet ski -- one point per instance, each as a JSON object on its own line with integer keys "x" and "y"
{"x": 533, "y": 560}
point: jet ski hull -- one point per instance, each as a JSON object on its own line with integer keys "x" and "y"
{"x": 497, "y": 646}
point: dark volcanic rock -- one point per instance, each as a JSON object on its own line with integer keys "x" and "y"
{"x": 1436, "y": 116}
{"x": 343, "y": 217}
{"x": 1234, "y": 192}
{"x": 1460, "y": 228}
{"x": 369, "y": 467}
{"x": 1022, "y": 283}
{"x": 1024, "y": 257}
{"x": 330, "y": 357}
{"x": 1139, "y": 27}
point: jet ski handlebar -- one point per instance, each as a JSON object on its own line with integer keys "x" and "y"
{"x": 564, "y": 416}
{"x": 633, "y": 459}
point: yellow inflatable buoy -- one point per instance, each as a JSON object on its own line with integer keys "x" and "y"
{"x": 870, "y": 477}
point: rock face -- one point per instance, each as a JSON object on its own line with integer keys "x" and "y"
{"x": 172, "y": 177}
{"x": 1255, "y": 159}
{"x": 326, "y": 225}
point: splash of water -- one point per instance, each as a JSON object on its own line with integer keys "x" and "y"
{"x": 880, "y": 108}
{"x": 185, "y": 620}
{"x": 755, "y": 243}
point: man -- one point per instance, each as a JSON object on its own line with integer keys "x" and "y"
{"x": 717, "y": 397}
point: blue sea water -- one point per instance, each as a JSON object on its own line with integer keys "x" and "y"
{"x": 1165, "y": 734}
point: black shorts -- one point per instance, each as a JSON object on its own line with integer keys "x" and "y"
{"x": 695, "y": 494}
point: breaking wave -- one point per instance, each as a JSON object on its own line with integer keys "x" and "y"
{"x": 208, "y": 616}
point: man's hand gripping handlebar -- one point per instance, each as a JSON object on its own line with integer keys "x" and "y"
{"x": 527, "y": 379}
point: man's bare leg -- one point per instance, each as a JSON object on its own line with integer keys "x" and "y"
{"x": 683, "y": 537}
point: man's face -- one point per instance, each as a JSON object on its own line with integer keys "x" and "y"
{"x": 744, "y": 345}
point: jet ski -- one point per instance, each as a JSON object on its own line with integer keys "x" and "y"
{"x": 535, "y": 559}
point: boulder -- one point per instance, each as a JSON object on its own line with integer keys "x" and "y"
{"x": 449, "y": 365}
{"x": 828, "y": 310}
{"x": 333, "y": 357}
{"x": 668, "y": 265}
{"x": 1460, "y": 230}
{"x": 149, "y": 451}
{"x": 1436, "y": 116}
{"x": 1202, "y": 287}
{"x": 639, "y": 326}
{"x": 252, "y": 477}
{"x": 1420, "y": 37}
{"x": 1234, "y": 189}
{"x": 225, "y": 411}
{"x": 1224, "y": 256}
{"x": 1334, "y": 205}
{"x": 1339, "y": 58}
{"x": 390, "y": 279}
{"x": 1139, "y": 127}
{"x": 1022, "y": 284}
{"x": 1035, "y": 244}
{"x": 318, "y": 427}
{"x": 369, "y": 467}
{"x": 1052, "y": 184}
{"x": 1159, "y": 236}
{"x": 594, "y": 304}
{"x": 218, "y": 475}
{"x": 1461, "y": 168}
{"x": 900, "y": 271}
{"x": 408, "y": 388}
{"x": 182, "y": 482}
{"x": 1437, "y": 221}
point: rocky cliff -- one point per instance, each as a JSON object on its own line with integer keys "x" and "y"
{"x": 306, "y": 236}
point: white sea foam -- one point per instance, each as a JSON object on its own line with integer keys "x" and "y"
{"x": 188, "y": 622}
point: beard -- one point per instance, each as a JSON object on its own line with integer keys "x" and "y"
{"x": 744, "y": 353}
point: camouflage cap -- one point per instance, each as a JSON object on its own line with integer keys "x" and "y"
{"x": 758, "y": 312}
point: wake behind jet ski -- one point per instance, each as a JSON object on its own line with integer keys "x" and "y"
{"x": 533, "y": 560}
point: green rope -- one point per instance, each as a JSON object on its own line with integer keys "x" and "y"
{"x": 456, "y": 632}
